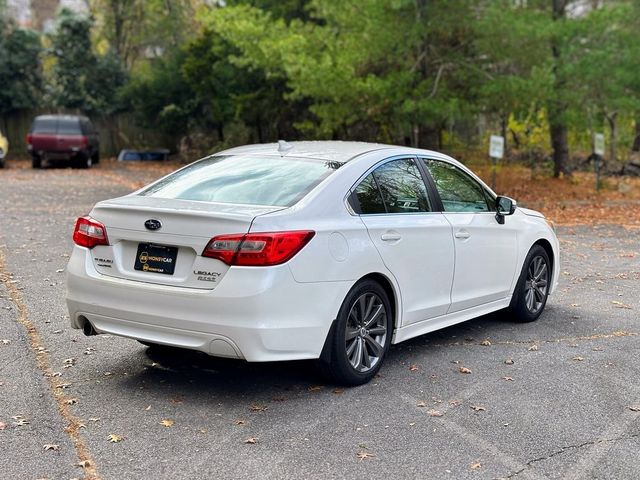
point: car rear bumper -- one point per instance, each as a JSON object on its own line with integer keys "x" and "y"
{"x": 259, "y": 314}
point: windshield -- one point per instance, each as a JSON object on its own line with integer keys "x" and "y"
{"x": 247, "y": 180}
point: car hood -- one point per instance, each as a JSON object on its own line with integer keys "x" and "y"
{"x": 531, "y": 213}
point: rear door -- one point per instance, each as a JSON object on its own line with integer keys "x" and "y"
{"x": 414, "y": 242}
{"x": 485, "y": 251}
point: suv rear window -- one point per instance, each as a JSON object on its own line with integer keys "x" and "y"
{"x": 69, "y": 126}
{"x": 246, "y": 180}
{"x": 45, "y": 125}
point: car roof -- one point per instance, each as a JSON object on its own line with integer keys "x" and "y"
{"x": 60, "y": 117}
{"x": 330, "y": 150}
{"x": 327, "y": 150}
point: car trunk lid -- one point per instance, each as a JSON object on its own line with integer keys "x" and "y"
{"x": 168, "y": 250}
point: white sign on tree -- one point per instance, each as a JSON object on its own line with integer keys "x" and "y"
{"x": 496, "y": 146}
{"x": 598, "y": 144}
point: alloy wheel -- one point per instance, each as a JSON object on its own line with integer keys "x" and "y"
{"x": 536, "y": 284}
{"x": 366, "y": 332}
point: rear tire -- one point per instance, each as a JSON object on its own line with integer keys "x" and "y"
{"x": 532, "y": 290}
{"x": 36, "y": 161}
{"x": 361, "y": 336}
{"x": 95, "y": 158}
{"x": 83, "y": 161}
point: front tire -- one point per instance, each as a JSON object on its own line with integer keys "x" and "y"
{"x": 532, "y": 290}
{"x": 361, "y": 336}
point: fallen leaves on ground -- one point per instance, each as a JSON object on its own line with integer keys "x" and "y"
{"x": 240, "y": 422}
{"x": 3, "y": 425}
{"x": 71, "y": 401}
{"x": 485, "y": 343}
{"x": 478, "y": 408}
{"x": 51, "y": 446}
{"x": 414, "y": 368}
{"x": 113, "y": 438}
{"x": 435, "y": 413}
{"x": 475, "y": 466}
{"x": 509, "y": 361}
{"x": 258, "y": 408}
{"x": 251, "y": 440}
{"x": 618, "y": 304}
{"x": 338, "y": 391}
{"x": 421, "y": 404}
{"x": 167, "y": 422}
{"x": 362, "y": 455}
{"x": 84, "y": 464}
{"x": 533, "y": 348}
{"x": 634, "y": 408}
{"x": 315, "y": 388}
{"x": 464, "y": 370}
{"x": 578, "y": 358}
{"x": 508, "y": 379}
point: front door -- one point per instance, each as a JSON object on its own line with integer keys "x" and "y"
{"x": 485, "y": 251}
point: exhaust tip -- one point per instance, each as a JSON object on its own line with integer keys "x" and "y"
{"x": 88, "y": 329}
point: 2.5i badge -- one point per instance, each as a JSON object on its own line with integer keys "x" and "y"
{"x": 205, "y": 276}
{"x": 156, "y": 258}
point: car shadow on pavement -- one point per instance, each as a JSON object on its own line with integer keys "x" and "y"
{"x": 196, "y": 371}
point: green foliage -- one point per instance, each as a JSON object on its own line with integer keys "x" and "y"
{"x": 20, "y": 68}
{"x": 80, "y": 79}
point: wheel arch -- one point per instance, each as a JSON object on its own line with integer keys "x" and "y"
{"x": 389, "y": 289}
{"x": 544, "y": 243}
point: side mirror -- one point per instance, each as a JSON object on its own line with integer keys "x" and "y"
{"x": 504, "y": 206}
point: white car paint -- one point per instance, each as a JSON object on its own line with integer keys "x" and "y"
{"x": 443, "y": 268}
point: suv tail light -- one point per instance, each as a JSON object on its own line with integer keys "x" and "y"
{"x": 29, "y": 139}
{"x": 85, "y": 141}
{"x": 89, "y": 233}
{"x": 257, "y": 249}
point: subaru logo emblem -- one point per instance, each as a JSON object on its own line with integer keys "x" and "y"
{"x": 153, "y": 224}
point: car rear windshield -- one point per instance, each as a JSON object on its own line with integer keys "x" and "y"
{"x": 61, "y": 126}
{"x": 69, "y": 126}
{"x": 45, "y": 125}
{"x": 247, "y": 180}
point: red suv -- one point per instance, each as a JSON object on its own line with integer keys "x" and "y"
{"x": 63, "y": 137}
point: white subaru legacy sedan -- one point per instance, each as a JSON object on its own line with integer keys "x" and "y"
{"x": 308, "y": 250}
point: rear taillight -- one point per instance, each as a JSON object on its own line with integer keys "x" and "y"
{"x": 89, "y": 233}
{"x": 29, "y": 139}
{"x": 84, "y": 141}
{"x": 257, "y": 249}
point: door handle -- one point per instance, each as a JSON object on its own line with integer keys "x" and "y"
{"x": 390, "y": 237}
{"x": 462, "y": 234}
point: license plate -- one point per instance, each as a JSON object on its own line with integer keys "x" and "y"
{"x": 156, "y": 258}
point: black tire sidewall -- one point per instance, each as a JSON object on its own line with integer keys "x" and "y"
{"x": 342, "y": 369}
{"x": 518, "y": 305}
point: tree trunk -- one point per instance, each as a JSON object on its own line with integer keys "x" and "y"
{"x": 636, "y": 142}
{"x": 613, "y": 144}
{"x": 560, "y": 145}
{"x": 558, "y": 129}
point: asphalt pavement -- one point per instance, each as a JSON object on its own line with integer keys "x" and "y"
{"x": 556, "y": 398}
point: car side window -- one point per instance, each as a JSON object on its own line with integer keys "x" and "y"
{"x": 458, "y": 191}
{"x": 402, "y": 186}
{"x": 369, "y": 197}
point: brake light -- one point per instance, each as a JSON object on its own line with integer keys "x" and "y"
{"x": 257, "y": 249}
{"x": 84, "y": 141}
{"x": 29, "y": 139}
{"x": 89, "y": 233}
